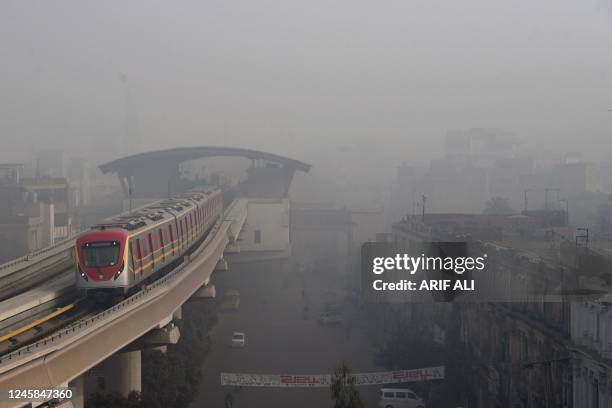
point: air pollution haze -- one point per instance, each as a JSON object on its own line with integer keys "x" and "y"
{"x": 306, "y": 203}
{"x": 302, "y": 76}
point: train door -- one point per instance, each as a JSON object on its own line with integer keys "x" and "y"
{"x": 133, "y": 261}
{"x": 199, "y": 220}
{"x": 185, "y": 229}
{"x": 190, "y": 221}
{"x": 149, "y": 241}
{"x": 141, "y": 255}
{"x": 162, "y": 243}
{"x": 172, "y": 237}
{"x": 180, "y": 234}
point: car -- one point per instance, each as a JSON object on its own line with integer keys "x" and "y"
{"x": 399, "y": 398}
{"x": 329, "y": 319}
{"x": 238, "y": 340}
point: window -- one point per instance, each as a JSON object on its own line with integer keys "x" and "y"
{"x": 411, "y": 396}
{"x": 141, "y": 254}
{"x": 257, "y": 236}
{"x": 401, "y": 395}
{"x": 100, "y": 254}
{"x": 388, "y": 395}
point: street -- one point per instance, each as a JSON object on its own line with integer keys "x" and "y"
{"x": 279, "y": 340}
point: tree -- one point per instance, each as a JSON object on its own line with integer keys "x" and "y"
{"x": 498, "y": 205}
{"x": 343, "y": 389}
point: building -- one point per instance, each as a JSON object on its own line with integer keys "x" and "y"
{"x": 56, "y": 192}
{"x": 541, "y": 352}
{"x": 26, "y": 223}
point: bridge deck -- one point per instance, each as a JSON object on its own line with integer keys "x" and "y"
{"x": 70, "y": 352}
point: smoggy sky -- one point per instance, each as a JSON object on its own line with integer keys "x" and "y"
{"x": 302, "y": 76}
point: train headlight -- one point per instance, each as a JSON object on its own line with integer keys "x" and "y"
{"x": 83, "y": 274}
{"x": 119, "y": 271}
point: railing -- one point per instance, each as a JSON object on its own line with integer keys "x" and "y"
{"x": 38, "y": 253}
{"x": 82, "y": 327}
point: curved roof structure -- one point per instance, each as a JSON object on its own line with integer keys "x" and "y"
{"x": 197, "y": 152}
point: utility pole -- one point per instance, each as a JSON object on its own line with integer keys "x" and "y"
{"x": 525, "y": 198}
{"x": 564, "y": 200}
{"x": 130, "y": 195}
{"x": 424, "y": 198}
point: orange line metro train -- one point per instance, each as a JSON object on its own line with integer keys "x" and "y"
{"x": 124, "y": 251}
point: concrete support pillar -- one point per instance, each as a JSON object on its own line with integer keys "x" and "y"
{"x": 78, "y": 394}
{"x": 121, "y": 373}
{"x": 222, "y": 265}
{"x": 161, "y": 349}
{"x": 205, "y": 292}
{"x": 178, "y": 314}
{"x": 156, "y": 338}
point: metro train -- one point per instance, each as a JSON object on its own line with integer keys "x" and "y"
{"x": 123, "y": 252}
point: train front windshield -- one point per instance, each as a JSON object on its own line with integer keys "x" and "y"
{"x": 100, "y": 254}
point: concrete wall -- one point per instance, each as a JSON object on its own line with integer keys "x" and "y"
{"x": 267, "y": 226}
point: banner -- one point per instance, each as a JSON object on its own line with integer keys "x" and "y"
{"x": 324, "y": 380}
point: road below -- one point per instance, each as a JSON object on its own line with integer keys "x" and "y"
{"x": 281, "y": 340}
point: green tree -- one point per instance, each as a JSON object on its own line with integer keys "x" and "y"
{"x": 343, "y": 389}
{"x": 498, "y": 205}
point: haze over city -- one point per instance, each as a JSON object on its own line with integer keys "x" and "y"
{"x": 306, "y": 203}
{"x": 296, "y": 76}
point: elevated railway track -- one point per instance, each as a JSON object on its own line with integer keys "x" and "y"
{"x": 57, "y": 344}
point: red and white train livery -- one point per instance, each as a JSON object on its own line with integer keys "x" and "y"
{"x": 125, "y": 250}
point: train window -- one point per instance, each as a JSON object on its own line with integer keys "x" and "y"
{"x": 100, "y": 254}
{"x": 150, "y": 242}
{"x": 139, "y": 250}
{"x": 161, "y": 237}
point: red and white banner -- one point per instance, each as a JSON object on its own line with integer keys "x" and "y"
{"x": 324, "y": 380}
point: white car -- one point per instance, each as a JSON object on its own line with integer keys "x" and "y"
{"x": 399, "y": 398}
{"x": 238, "y": 340}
